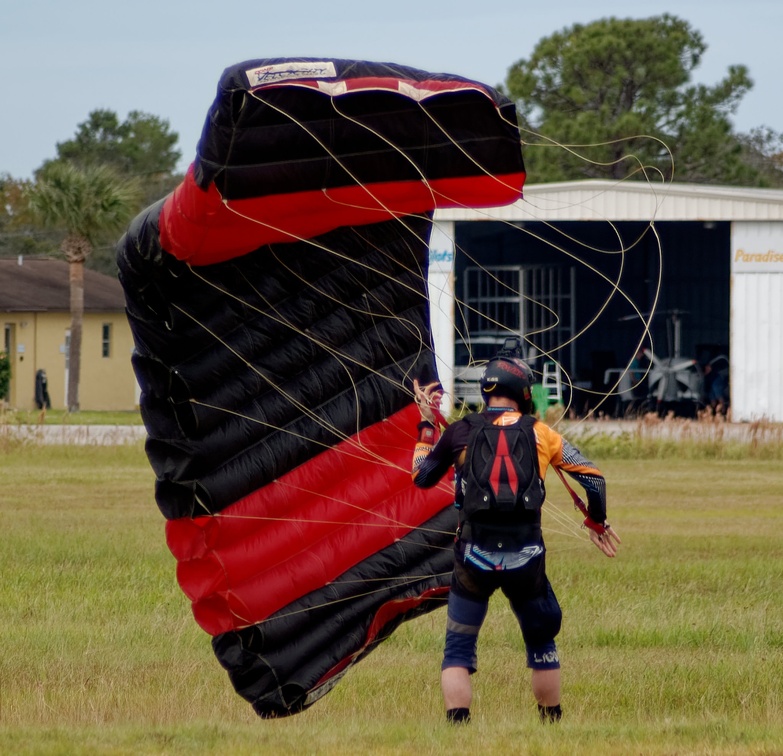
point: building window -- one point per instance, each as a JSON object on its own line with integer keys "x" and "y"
{"x": 106, "y": 340}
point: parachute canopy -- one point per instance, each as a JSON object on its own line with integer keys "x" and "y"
{"x": 278, "y": 302}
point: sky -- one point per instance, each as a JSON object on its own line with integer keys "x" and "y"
{"x": 61, "y": 60}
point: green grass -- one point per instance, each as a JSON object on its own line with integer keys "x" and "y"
{"x": 675, "y": 647}
{"x": 64, "y": 417}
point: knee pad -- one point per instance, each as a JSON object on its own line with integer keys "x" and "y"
{"x": 543, "y": 657}
{"x": 464, "y": 621}
{"x": 540, "y": 619}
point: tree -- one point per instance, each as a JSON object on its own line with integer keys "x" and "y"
{"x": 18, "y": 235}
{"x": 142, "y": 145}
{"x": 618, "y": 94}
{"x": 82, "y": 202}
{"x": 763, "y": 149}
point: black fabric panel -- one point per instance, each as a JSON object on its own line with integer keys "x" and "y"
{"x": 276, "y": 664}
{"x": 290, "y": 138}
{"x": 335, "y": 325}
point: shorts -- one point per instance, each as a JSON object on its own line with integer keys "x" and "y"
{"x": 532, "y": 600}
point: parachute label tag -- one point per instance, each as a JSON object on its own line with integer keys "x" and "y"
{"x": 292, "y": 70}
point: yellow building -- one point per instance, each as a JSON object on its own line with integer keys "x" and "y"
{"x": 35, "y": 314}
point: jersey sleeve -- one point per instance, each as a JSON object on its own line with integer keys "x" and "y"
{"x": 554, "y": 450}
{"x": 584, "y": 472}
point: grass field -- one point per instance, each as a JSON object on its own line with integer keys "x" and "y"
{"x": 675, "y": 647}
{"x": 64, "y": 417}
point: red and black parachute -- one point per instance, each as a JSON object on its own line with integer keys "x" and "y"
{"x": 278, "y": 302}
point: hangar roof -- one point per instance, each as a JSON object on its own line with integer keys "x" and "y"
{"x": 631, "y": 201}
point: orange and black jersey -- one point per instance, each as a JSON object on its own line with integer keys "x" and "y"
{"x": 432, "y": 460}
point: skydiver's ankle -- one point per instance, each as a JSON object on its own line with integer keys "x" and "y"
{"x": 458, "y": 716}
{"x": 550, "y": 713}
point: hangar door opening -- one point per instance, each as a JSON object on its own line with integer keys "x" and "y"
{"x": 580, "y": 292}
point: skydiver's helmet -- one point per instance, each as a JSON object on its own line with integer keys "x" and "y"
{"x": 507, "y": 375}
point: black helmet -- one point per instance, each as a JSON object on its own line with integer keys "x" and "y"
{"x": 508, "y": 377}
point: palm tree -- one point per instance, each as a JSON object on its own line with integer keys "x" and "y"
{"x": 82, "y": 202}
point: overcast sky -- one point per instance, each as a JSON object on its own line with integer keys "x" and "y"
{"x": 61, "y": 60}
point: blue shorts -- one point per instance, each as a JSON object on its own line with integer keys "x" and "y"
{"x": 532, "y": 600}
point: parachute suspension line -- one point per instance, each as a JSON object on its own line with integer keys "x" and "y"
{"x": 615, "y": 290}
{"x": 549, "y": 143}
{"x": 387, "y": 521}
{"x": 470, "y": 158}
{"x": 339, "y": 356}
{"x": 303, "y": 408}
{"x": 376, "y": 202}
{"x": 566, "y": 525}
{"x": 346, "y": 523}
{"x": 402, "y": 581}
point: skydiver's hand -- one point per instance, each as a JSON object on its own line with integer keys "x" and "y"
{"x": 426, "y": 398}
{"x": 606, "y": 541}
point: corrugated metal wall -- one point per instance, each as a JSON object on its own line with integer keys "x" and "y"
{"x": 757, "y": 321}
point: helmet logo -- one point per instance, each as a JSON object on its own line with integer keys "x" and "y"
{"x": 512, "y": 368}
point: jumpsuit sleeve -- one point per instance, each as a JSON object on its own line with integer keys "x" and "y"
{"x": 432, "y": 461}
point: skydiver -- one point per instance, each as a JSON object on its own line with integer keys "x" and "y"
{"x": 497, "y": 548}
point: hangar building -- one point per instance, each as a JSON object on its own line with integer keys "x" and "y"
{"x": 575, "y": 267}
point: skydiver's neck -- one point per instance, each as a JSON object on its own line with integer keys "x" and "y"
{"x": 501, "y": 404}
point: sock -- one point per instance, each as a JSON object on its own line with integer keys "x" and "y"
{"x": 550, "y": 713}
{"x": 455, "y": 716}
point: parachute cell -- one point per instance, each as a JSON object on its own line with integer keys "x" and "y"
{"x": 278, "y": 304}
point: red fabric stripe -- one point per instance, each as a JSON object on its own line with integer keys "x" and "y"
{"x": 197, "y": 226}
{"x": 390, "y": 83}
{"x": 238, "y": 570}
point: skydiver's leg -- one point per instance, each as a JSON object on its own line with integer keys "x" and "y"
{"x": 546, "y": 686}
{"x": 540, "y": 620}
{"x": 467, "y": 609}
{"x": 457, "y": 690}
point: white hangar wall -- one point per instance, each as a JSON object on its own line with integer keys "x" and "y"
{"x": 757, "y": 321}
{"x": 756, "y": 318}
